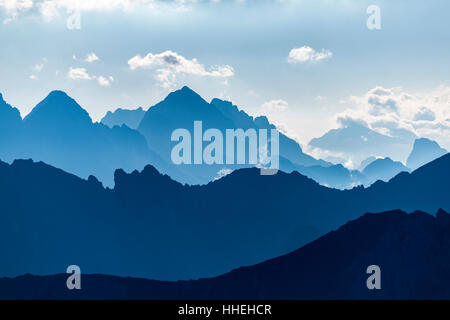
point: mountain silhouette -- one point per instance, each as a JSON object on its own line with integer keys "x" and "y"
{"x": 152, "y": 226}
{"x": 383, "y": 169}
{"x": 411, "y": 251}
{"x": 366, "y": 162}
{"x": 10, "y": 121}
{"x": 424, "y": 151}
{"x": 131, "y": 118}
{"x": 181, "y": 108}
{"x": 60, "y": 132}
{"x": 359, "y": 142}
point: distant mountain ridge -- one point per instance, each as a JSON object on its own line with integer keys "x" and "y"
{"x": 424, "y": 151}
{"x": 410, "y": 249}
{"x": 359, "y": 142}
{"x": 383, "y": 169}
{"x": 118, "y": 117}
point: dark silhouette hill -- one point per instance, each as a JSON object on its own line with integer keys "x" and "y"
{"x": 410, "y": 249}
{"x": 424, "y": 151}
{"x": 119, "y": 117}
{"x": 382, "y": 169}
{"x": 151, "y": 226}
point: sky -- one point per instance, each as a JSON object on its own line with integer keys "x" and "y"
{"x": 309, "y": 65}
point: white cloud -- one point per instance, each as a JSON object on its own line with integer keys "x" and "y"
{"x": 52, "y": 8}
{"x": 105, "y": 82}
{"x": 38, "y": 67}
{"x": 168, "y": 64}
{"x": 83, "y": 74}
{"x": 91, "y": 57}
{"x": 33, "y": 77}
{"x": 14, "y": 7}
{"x": 275, "y": 105}
{"x": 79, "y": 74}
{"x": 179, "y": 64}
{"x": 307, "y": 54}
{"x": 396, "y": 112}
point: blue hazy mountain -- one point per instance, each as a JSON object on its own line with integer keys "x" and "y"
{"x": 119, "y": 117}
{"x": 289, "y": 148}
{"x": 60, "y": 132}
{"x": 151, "y": 226}
{"x": 366, "y": 162}
{"x": 10, "y": 122}
{"x": 404, "y": 246}
{"x": 383, "y": 169}
{"x": 334, "y": 176}
{"x": 359, "y": 142}
{"x": 424, "y": 151}
{"x": 181, "y": 108}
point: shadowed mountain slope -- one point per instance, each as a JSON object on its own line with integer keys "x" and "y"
{"x": 151, "y": 226}
{"x": 410, "y": 249}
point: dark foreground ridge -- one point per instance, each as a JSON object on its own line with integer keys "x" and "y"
{"x": 410, "y": 249}
{"x": 150, "y": 226}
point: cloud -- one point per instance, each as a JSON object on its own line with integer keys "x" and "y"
{"x": 82, "y": 74}
{"x": 398, "y": 113}
{"x": 425, "y": 114}
{"x": 52, "y": 8}
{"x": 79, "y": 74}
{"x": 39, "y": 66}
{"x": 307, "y": 54}
{"x": 275, "y": 105}
{"x": 91, "y": 57}
{"x": 14, "y": 7}
{"x": 168, "y": 64}
{"x": 105, "y": 82}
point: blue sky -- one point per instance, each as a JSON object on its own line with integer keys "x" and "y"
{"x": 238, "y": 50}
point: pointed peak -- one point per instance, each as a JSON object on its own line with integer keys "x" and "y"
{"x": 425, "y": 142}
{"x": 58, "y": 93}
{"x": 184, "y": 92}
{"x": 60, "y": 107}
{"x": 184, "y": 97}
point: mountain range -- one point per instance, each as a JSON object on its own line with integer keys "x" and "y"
{"x": 152, "y": 226}
{"x": 118, "y": 117}
{"x": 358, "y": 141}
{"x": 60, "y": 132}
{"x": 411, "y": 251}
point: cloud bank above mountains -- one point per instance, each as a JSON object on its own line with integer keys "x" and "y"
{"x": 400, "y": 113}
